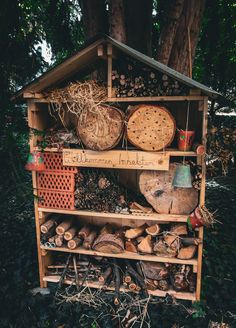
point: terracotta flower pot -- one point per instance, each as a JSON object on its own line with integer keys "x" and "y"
{"x": 35, "y": 162}
{"x": 195, "y": 219}
{"x": 185, "y": 139}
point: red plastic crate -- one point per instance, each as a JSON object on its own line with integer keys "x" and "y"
{"x": 63, "y": 181}
{"x": 56, "y": 199}
{"x": 53, "y": 161}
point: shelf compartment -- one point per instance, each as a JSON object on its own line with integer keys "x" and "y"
{"x": 159, "y": 293}
{"x": 124, "y": 255}
{"x": 151, "y": 217}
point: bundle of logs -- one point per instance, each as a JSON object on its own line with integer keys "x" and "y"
{"x": 96, "y": 190}
{"x": 129, "y": 80}
{"x": 161, "y": 240}
{"x": 135, "y": 276}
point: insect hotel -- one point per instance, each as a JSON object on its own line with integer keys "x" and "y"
{"x": 117, "y": 154}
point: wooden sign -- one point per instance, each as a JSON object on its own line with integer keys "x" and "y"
{"x": 120, "y": 159}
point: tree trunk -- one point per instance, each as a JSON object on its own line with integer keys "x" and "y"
{"x": 138, "y": 18}
{"x": 168, "y": 31}
{"x": 117, "y": 20}
{"x": 179, "y": 35}
{"x": 94, "y": 16}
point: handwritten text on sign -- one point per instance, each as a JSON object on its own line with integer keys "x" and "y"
{"x": 120, "y": 159}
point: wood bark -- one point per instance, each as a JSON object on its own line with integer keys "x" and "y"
{"x": 108, "y": 243}
{"x": 94, "y": 17}
{"x": 138, "y": 18}
{"x": 183, "y": 24}
{"x": 46, "y": 226}
{"x": 88, "y": 241}
{"x": 135, "y": 232}
{"x": 117, "y": 20}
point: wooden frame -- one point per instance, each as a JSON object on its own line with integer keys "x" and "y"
{"x": 45, "y": 254}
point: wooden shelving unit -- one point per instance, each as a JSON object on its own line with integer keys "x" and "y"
{"x": 38, "y": 117}
{"x": 160, "y": 293}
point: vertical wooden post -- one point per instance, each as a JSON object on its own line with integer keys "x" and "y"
{"x": 31, "y": 121}
{"x": 202, "y": 160}
{"x": 109, "y": 70}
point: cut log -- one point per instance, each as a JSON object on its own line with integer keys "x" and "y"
{"x": 84, "y": 231}
{"x": 156, "y": 186}
{"x": 162, "y": 249}
{"x": 146, "y": 246}
{"x": 179, "y": 229}
{"x": 170, "y": 239}
{"x": 46, "y": 226}
{"x": 127, "y": 278}
{"x": 163, "y": 285}
{"x": 187, "y": 241}
{"x": 59, "y": 240}
{"x": 69, "y": 234}
{"x": 105, "y": 274}
{"x": 108, "y": 243}
{"x": 150, "y": 284}
{"x": 150, "y": 127}
{"x": 101, "y": 130}
{"x": 75, "y": 242}
{"x": 187, "y": 253}
{"x": 63, "y": 227}
{"x": 153, "y": 230}
{"x": 135, "y": 232}
{"x": 107, "y": 229}
{"x": 88, "y": 241}
{"x": 154, "y": 270}
{"x": 139, "y": 239}
{"x": 130, "y": 246}
{"x": 132, "y": 286}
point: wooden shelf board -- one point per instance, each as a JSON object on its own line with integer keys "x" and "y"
{"x": 169, "y": 151}
{"x": 159, "y": 293}
{"x": 155, "y": 98}
{"x": 151, "y": 217}
{"x": 124, "y": 255}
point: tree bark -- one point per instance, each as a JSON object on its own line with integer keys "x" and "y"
{"x": 94, "y": 16}
{"x": 184, "y": 23}
{"x": 138, "y": 18}
{"x": 168, "y": 31}
{"x": 117, "y": 20}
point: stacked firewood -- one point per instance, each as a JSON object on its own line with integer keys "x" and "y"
{"x": 99, "y": 191}
{"x": 129, "y": 80}
{"x": 162, "y": 241}
{"x": 131, "y": 275}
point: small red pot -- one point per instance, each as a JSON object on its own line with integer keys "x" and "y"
{"x": 185, "y": 139}
{"x": 35, "y": 162}
{"x": 195, "y": 219}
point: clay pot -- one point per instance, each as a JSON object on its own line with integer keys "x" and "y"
{"x": 185, "y": 139}
{"x": 35, "y": 162}
{"x": 195, "y": 219}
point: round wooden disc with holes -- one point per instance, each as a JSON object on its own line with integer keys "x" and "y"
{"x": 157, "y": 188}
{"x": 150, "y": 127}
{"x": 101, "y": 130}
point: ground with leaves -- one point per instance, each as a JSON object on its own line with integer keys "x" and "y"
{"x": 18, "y": 270}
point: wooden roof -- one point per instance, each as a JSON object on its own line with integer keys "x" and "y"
{"x": 87, "y": 56}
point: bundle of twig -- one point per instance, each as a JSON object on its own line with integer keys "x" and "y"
{"x": 207, "y": 217}
{"x": 77, "y": 98}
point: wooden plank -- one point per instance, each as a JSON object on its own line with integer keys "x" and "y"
{"x": 117, "y": 159}
{"x": 32, "y": 95}
{"x": 109, "y": 70}
{"x": 158, "y": 293}
{"x": 160, "y": 98}
{"x": 168, "y": 151}
{"x": 124, "y": 255}
{"x": 142, "y": 99}
{"x": 151, "y": 217}
{"x": 202, "y": 195}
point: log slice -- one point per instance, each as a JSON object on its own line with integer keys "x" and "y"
{"x": 156, "y": 186}
{"x": 101, "y": 130}
{"x": 150, "y": 127}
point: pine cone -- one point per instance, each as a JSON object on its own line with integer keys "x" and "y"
{"x": 79, "y": 178}
{"x": 103, "y": 183}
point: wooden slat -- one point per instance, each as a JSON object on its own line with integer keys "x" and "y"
{"x": 202, "y": 195}
{"x": 168, "y": 151}
{"x": 141, "y": 99}
{"x": 117, "y": 159}
{"x": 109, "y": 70}
{"x": 151, "y": 217}
{"x": 159, "y": 293}
{"x": 124, "y": 255}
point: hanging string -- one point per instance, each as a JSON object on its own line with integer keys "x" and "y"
{"x": 186, "y": 129}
